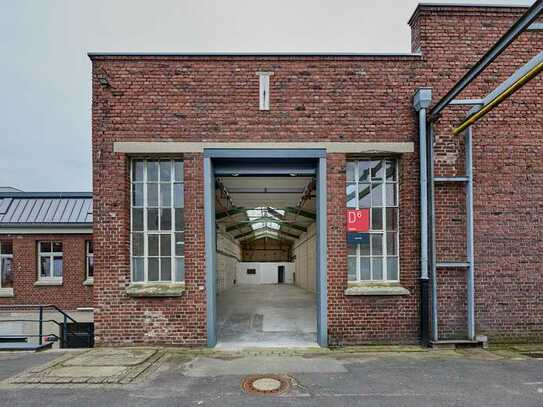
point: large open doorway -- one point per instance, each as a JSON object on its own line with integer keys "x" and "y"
{"x": 265, "y": 268}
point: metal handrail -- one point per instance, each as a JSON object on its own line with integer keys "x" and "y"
{"x": 40, "y": 321}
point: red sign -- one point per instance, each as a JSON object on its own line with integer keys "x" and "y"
{"x": 358, "y": 220}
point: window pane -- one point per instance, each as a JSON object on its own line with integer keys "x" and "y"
{"x": 178, "y": 170}
{"x": 351, "y": 268}
{"x": 179, "y": 245}
{"x": 179, "y": 219}
{"x": 390, "y": 194}
{"x": 165, "y": 245}
{"x": 45, "y": 247}
{"x": 376, "y": 244}
{"x": 178, "y": 195}
{"x": 45, "y": 266}
{"x": 137, "y": 170}
{"x": 391, "y": 170}
{"x": 152, "y": 269}
{"x": 365, "y": 245}
{"x": 6, "y": 273}
{"x": 179, "y": 269}
{"x": 392, "y": 268}
{"x": 165, "y": 195}
{"x": 377, "y": 194}
{"x": 90, "y": 266}
{"x": 6, "y": 247}
{"x": 377, "y": 219}
{"x": 351, "y": 249}
{"x": 90, "y": 246}
{"x": 377, "y": 170}
{"x": 377, "y": 263}
{"x": 392, "y": 249}
{"x": 137, "y": 244}
{"x": 137, "y": 219}
{"x": 57, "y": 247}
{"x": 165, "y": 219}
{"x": 152, "y": 194}
{"x": 365, "y": 268}
{"x": 152, "y": 245}
{"x": 350, "y": 171}
{"x": 165, "y": 170}
{"x": 351, "y": 195}
{"x": 152, "y": 170}
{"x": 57, "y": 266}
{"x": 392, "y": 218}
{"x": 364, "y": 196}
{"x": 364, "y": 171}
{"x": 137, "y": 194}
{"x": 152, "y": 219}
{"x": 137, "y": 269}
{"x": 165, "y": 269}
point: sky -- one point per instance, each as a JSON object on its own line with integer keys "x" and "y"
{"x": 45, "y": 74}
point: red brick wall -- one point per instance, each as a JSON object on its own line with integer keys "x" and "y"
{"x": 71, "y": 294}
{"x": 334, "y": 99}
{"x": 508, "y": 185}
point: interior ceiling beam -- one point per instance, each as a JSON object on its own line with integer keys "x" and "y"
{"x": 286, "y": 234}
{"x": 264, "y": 220}
{"x": 300, "y": 212}
{"x": 514, "y": 31}
{"x": 265, "y": 190}
{"x": 230, "y": 212}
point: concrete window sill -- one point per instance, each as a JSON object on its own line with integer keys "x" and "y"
{"x": 379, "y": 289}
{"x": 155, "y": 289}
{"x": 89, "y": 281}
{"x": 6, "y": 292}
{"x": 46, "y": 283}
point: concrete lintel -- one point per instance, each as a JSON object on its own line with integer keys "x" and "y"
{"x": 174, "y": 147}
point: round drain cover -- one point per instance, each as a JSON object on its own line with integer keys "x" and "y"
{"x": 265, "y": 384}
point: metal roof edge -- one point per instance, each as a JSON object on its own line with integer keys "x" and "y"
{"x": 50, "y": 225}
{"x": 57, "y": 195}
{"x": 256, "y": 54}
{"x": 462, "y": 5}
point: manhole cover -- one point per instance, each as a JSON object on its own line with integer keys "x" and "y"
{"x": 265, "y": 384}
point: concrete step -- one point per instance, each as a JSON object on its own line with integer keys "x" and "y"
{"x": 24, "y": 346}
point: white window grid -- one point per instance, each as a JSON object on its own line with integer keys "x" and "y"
{"x": 51, "y": 260}
{"x": 89, "y": 259}
{"x": 4, "y": 257}
{"x": 384, "y": 256}
{"x": 174, "y": 259}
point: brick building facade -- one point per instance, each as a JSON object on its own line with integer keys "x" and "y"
{"x": 212, "y": 100}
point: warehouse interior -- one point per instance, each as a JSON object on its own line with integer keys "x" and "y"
{"x": 266, "y": 260}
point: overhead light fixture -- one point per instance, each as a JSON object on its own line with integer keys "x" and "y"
{"x": 236, "y": 174}
{"x": 292, "y": 174}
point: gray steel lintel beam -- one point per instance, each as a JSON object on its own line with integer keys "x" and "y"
{"x": 514, "y": 31}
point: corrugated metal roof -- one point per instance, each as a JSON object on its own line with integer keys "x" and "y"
{"x": 61, "y": 209}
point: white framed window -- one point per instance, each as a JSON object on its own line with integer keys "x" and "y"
{"x": 373, "y": 184}
{"x": 264, "y": 90}
{"x": 50, "y": 261}
{"x": 6, "y": 264}
{"x": 157, "y": 220}
{"x": 89, "y": 260}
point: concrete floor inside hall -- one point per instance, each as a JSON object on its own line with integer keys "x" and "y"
{"x": 267, "y": 315}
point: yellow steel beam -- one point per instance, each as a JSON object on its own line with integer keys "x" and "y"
{"x": 499, "y": 98}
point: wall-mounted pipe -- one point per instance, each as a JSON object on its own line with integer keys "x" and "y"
{"x": 421, "y": 102}
{"x": 490, "y": 105}
{"x": 470, "y": 237}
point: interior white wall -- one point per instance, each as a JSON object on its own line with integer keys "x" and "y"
{"x": 266, "y": 273}
{"x": 228, "y": 257}
{"x": 305, "y": 251}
